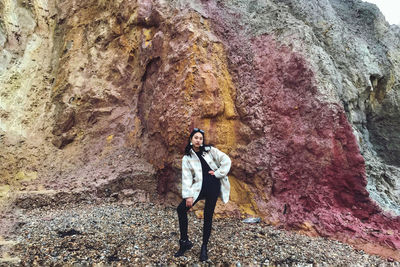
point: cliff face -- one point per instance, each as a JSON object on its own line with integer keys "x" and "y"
{"x": 98, "y": 99}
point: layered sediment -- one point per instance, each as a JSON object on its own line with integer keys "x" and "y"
{"x": 100, "y": 97}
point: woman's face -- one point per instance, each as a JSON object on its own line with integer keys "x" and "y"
{"x": 197, "y": 140}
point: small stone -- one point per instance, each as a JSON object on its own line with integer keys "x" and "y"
{"x": 251, "y": 220}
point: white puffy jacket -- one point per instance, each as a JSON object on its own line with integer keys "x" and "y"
{"x": 192, "y": 175}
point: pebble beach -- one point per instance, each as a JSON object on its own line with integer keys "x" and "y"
{"x": 147, "y": 234}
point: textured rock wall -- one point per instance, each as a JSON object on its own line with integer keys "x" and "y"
{"x": 313, "y": 164}
{"x": 98, "y": 98}
{"x": 26, "y": 58}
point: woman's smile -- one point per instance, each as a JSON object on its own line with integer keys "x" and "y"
{"x": 197, "y": 140}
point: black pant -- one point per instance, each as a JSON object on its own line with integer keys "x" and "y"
{"x": 209, "y": 191}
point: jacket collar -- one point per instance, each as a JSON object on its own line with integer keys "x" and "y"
{"x": 206, "y": 149}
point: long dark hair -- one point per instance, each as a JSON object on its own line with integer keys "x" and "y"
{"x": 189, "y": 146}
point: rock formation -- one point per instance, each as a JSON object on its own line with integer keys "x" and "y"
{"x": 98, "y": 99}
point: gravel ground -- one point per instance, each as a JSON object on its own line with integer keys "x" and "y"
{"x": 147, "y": 234}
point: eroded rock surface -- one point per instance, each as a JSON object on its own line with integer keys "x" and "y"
{"x": 98, "y": 98}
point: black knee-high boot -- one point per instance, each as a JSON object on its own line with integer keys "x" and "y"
{"x": 184, "y": 242}
{"x": 209, "y": 207}
{"x": 203, "y": 253}
{"x": 184, "y": 245}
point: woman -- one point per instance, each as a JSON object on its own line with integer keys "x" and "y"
{"x": 204, "y": 176}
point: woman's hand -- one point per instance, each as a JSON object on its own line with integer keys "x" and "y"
{"x": 189, "y": 202}
{"x": 211, "y": 172}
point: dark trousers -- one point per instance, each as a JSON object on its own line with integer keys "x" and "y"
{"x": 209, "y": 191}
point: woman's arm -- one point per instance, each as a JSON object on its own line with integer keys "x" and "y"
{"x": 223, "y": 161}
{"x": 187, "y": 179}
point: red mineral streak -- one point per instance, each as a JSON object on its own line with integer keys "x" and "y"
{"x": 318, "y": 172}
{"x": 304, "y": 147}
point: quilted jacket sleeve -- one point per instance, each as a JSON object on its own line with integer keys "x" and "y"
{"x": 223, "y": 161}
{"x": 187, "y": 179}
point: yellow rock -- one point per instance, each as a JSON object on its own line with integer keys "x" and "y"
{"x": 110, "y": 138}
{"x": 25, "y": 176}
{"x": 242, "y": 196}
{"x": 148, "y": 36}
{"x": 4, "y": 189}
